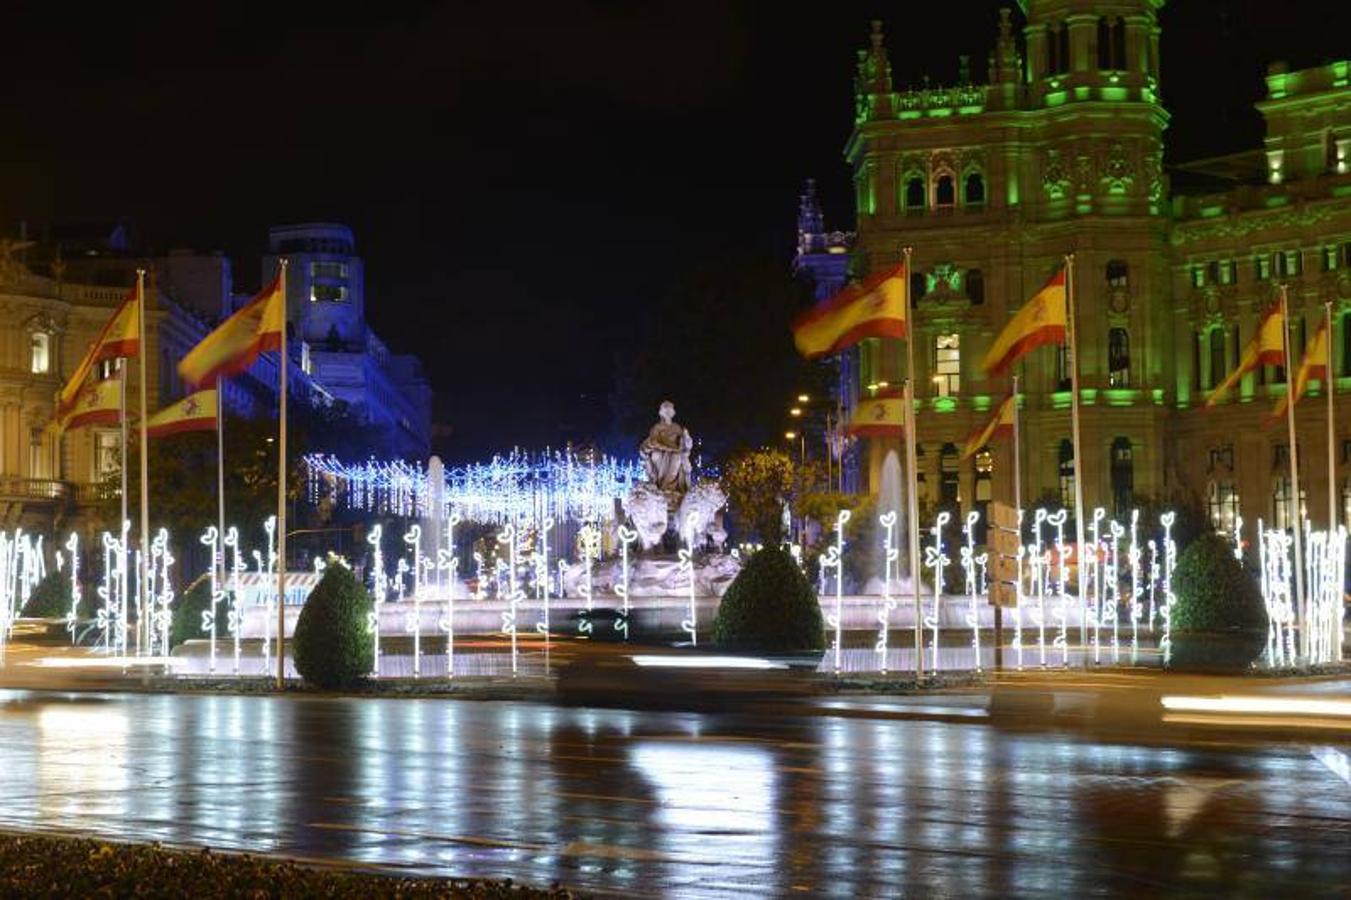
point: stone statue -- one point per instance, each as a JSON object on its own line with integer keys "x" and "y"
{"x": 703, "y": 502}
{"x": 666, "y": 455}
{"x": 646, "y": 508}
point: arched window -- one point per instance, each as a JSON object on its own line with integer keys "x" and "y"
{"x": 1217, "y": 367}
{"x": 41, "y": 357}
{"x": 1104, "y": 45}
{"x": 1118, "y": 357}
{"x": 975, "y": 286}
{"x": 917, "y": 287}
{"x": 1067, "y": 474}
{"x": 949, "y": 494}
{"x": 974, "y": 190}
{"x": 1223, "y": 502}
{"x": 1123, "y": 477}
{"x": 914, "y": 194}
{"x": 1062, "y": 38}
{"x": 945, "y": 193}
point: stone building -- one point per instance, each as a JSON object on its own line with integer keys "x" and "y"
{"x": 1061, "y": 151}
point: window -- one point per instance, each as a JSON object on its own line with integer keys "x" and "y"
{"x": 1118, "y": 358}
{"x": 1346, "y": 500}
{"x": 331, "y": 270}
{"x": 1118, "y": 274}
{"x": 918, "y": 287}
{"x": 1221, "y": 456}
{"x": 1262, "y": 268}
{"x": 1217, "y": 366}
{"x": 945, "y": 194}
{"x": 1064, "y": 368}
{"x": 947, "y": 364}
{"x": 1288, "y": 263}
{"x": 1067, "y": 474}
{"x": 974, "y": 190}
{"x": 1282, "y": 513}
{"x": 1346, "y": 344}
{"x": 109, "y": 368}
{"x": 914, "y": 194}
{"x": 949, "y": 479}
{"x": 1058, "y": 49}
{"x": 975, "y": 286}
{"x": 106, "y": 456}
{"x": 1198, "y": 276}
{"x": 37, "y": 457}
{"x": 1329, "y": 259}
{"x": 41, "y": 360}
{"x": 1228, "y": 271}
{"x": 1111, "y": 44}
{"x": 1123, "y": 476}
{"x": 306, "y": 364}
{"x": 1223, "y": 502}
{"x": 328, "y": 293}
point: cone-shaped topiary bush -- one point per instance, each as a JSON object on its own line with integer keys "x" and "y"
{"x": 51, "y": 599}
{"x": 331, "y": 645}
{"x": 769, "y": 607}
{"x": 185, "y": 616}
{"x": 1213, "y": 591}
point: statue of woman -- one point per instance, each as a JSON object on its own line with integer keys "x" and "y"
{"x": 666, "y": 453}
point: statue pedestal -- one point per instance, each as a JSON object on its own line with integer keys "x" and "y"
{"x": 655, "y": 577}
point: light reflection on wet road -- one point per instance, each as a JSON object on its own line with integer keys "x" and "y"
{"x": 651, "y": 803}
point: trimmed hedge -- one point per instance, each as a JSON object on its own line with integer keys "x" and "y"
{"x": 185, "y": 619}
{"x": 51, "y": 599}
{"x": 332, "y": 646}
{"x": 1213, "y": 591}
{"x": 770, "y": 607}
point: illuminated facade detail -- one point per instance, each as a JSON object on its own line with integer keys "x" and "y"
{"x": 1067, "y": 136}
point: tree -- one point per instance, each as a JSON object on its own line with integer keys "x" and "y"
{"x": 758, "y": 484}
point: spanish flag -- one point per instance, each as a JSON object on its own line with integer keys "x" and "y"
{"x": 100, "y": 403}
{"x": 236, "y": 343}
{"x": 878, "y": 417}
{"x": 1267, "y": 348}
{"x": 195, "y": 412}
{"x": 119, "y": 337}
{"x": 1314, "y": 365}
{"x": 1000, "y": 425}
{"x": 1041, "y": 321}
{"x": 875, "y": 308}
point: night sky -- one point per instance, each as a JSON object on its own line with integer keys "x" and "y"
{"x": 522, "y": 177}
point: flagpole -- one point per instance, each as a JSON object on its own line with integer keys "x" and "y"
{"x": 281, "y": 491}
{"x": 220, "y": 484}
{"x": 911, "y": 464}
{"x": 1018, "y": 510}
{"x": 121, "y": 533}
{"x": 1079, "y": 467}
{"x": 145, "y": 466}
{"x": 1330, "y": 388}
{"x": 1297, "y": 516}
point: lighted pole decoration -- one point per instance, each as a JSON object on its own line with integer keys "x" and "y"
{"x": 970, "y": 562}
{"x": 1094, "y": 582}
{"x": 450, "y": 564}
{"x": 686, "y": 567}
{"x": 165, "y": 558}
{"x": 1018, "y": 596}
{"x": 542, "y": 576}
{"x": 73, "y": 614}
{"x": 1133, "y": 557}
{"x": 1113, "y": 597}
{"x": 891, "y": 555}
{"x": 234, "y": 620}
{"x": 1062, "y": 638}
{"x": 1040, "y": 564}
{"x": 413, "y": 537}
{"x": 210, "y": 538}
{"x": 626, "y": 536}
{"x": 936, "y": 560}
{"x": 1169, "y": 563}
{"x": 834, "y": 558}
{"x": 379, "y": 588}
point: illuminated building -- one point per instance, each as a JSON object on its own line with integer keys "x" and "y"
{"x": 1061, "y": 151}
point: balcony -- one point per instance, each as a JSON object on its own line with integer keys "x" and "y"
{"x": 33, "y": 489}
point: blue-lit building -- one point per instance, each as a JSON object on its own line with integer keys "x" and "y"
{"x": 326, "y": 304}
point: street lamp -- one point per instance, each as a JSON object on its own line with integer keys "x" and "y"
{"x": 795, "y": 412}
{"x": 804, "y": 398}
{"x": 801, "y": 438}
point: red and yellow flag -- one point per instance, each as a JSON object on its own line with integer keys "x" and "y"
{"x": 1041, "y": 321}
{"x": 119, "y": 337}
{"x": 100, "y": 403}
{"x": 1267, "y": 348}
{"x": 1314, "y": 365}
{"x": 875, "y": 308}
{"x": 195, "y": 412}
{"x": 999, "y": 426}
{"x": 878, "y": 417}
{"x": 236, "y": 343}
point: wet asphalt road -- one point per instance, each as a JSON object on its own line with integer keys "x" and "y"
{"x": 678, "y": 804}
